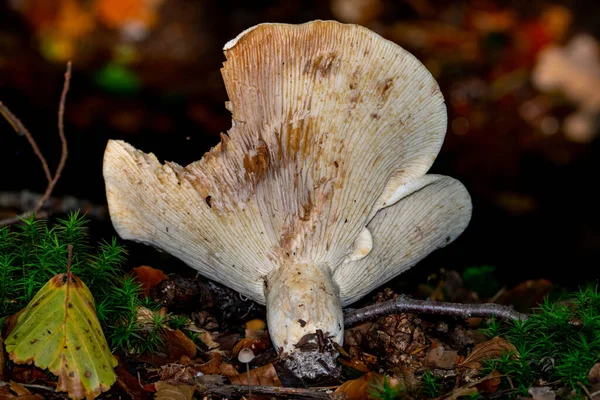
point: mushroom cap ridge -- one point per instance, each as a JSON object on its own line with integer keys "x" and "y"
{"x": 326, "y": 118}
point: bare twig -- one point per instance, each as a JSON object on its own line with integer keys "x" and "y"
{"x": 278, "y": 391}
{"x": 20, "y": 129}
{"x": 30, "y": 386}
{"x": 404, "y": 304}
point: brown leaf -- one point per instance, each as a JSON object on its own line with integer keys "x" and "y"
{"x": 265, "y": 376}
{"x": 355, "y": 364}
{"x": 526, "y": 295}
{"x": 166, "y": 391}
{"x": 148, "y": 277}
{"x": 470, "y": 388}
{"x": 594, "y": 374}
{"x": 177, "y": 374}
{"x": 179, "y": 344}
{"x": 356, "y": 336}
{"x": 257, "y": 346}
{"x": 18, "y": 391}
{"x": 490, "y": 385}
{"x": 361, "y": 388}
{"x": 357, "y": 359}
{"x": 493, "y": 348}
{"x": 213, "y": 366}
{"x": 206, "y": 338}
{"x": 130, "y": 384}
{"x": 439, "y": 357}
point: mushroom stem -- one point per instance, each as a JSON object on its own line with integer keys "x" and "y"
{"x": 304, "y": 314}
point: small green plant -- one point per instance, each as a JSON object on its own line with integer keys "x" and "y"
{"x": 431, "y": 385}
{"x": 179, "y": 322}
{"x": 559, "y": 342}
{"x": 493, "y": 328}
{"x": 384, "y": 390}
{"x": 32, "y": 252}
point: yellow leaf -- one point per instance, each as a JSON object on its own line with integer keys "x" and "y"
{"x": 59, "y": 330}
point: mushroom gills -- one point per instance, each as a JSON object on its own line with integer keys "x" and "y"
{"x": 362, "y": 246}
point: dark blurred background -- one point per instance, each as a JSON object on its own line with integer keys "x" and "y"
{"x": 521, "y": 81}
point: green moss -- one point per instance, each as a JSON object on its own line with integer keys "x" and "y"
{"x": 32, "y": 252}
{"x": 559, "y": 342}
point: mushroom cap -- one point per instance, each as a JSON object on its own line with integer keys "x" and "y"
{"x": 328, "y": 120}
{"x": 427, "y": 214}
{"x": 245, "y": 355}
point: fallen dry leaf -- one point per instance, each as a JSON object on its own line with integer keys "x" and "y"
{"x": 148, "y": 277}
{"x": 526, "y": 295}
{"x": 179, "y": 344}
{"x": 213, "y": 366}
{"x": 166, "y": 391}
{"x": 362, "y": 388}
{"x": 18, "y": 391}
{"x": 130, "y": 384}
{"x": 493, "y": 348}
{"x": 177, "y": 374}
{"x": 469, "y": 389}
{"x": 204, "y": 335}
{"x": 256, "y": 345}
{"x": 490, "y": 385}
{"x": 358, "y": 360}
{"x": 265, "y": 376}
{"x": 594, "y": 374}
{"x": 70, "y": 342}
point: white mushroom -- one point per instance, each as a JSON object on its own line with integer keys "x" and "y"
{"x": 331, "y": 125}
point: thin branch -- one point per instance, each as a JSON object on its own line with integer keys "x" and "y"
{"x": 30, "y": 386}
{"x": 458, "y": 310}
{"x": 16, "y": 123}
{"x": 22, "y": 131}
{"x": 277, "y": 391}
{"x": 63, "y": 139}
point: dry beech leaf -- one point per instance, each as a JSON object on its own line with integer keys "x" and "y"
{"x": 490, "y": 385}
{"x": 594, "y": 374}
{"x": 213, "y": 366}
{"x": 130, "y": 384}
{"x": 216, "y": 366}
{"x": 356, "y": 359}
{"x": 256, "y": 345}
{"x": 470, "y": 388}
{"x": 149, "y": 277}
{"x": 265, "y": 376}
{"x": 206, "y": 338}
{"x": 359, "y": 389}
{"x": 179, "y": 374}
{"x": 166, "y": 391}
{"x": 179, "y": 344}
{"x": 59, "y": 330}
{"x": 18, "y": 391}
{"x": 491, "y": 349}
